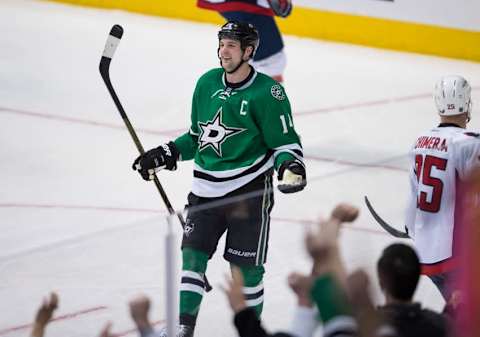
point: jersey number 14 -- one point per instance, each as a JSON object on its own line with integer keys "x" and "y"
{"x": 423, "y": 168}
{"x": 284, "y": 123}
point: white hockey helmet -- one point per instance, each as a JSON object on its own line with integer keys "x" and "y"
{"x": 452, "y": 96}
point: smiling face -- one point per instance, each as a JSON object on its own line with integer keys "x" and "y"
{"x": 231, "y": 54}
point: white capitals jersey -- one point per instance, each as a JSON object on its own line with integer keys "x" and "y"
{"x": 441, "y": 159}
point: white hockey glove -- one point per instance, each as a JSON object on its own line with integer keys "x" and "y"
{"x": 163, "y": 157}
{"x": 282, "y": 8}
{"x": 291, "y": 176}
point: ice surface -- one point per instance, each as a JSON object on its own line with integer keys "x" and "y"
{"x": 76, "y": 219}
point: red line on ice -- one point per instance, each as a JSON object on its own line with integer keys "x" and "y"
{"x": 349, "y": 163}
{"x": 79, "y": 207}
{"x": 58, "y": 318}
{"x": 173, "y": 132}
{"x": 170, "y": 133}
{"x": 312, "y": 222}
{"x": 87, "y": 122}
{"x": 367, "y": 104}
{"x": 361, "y": 105}
{"x": 145, "y": 210}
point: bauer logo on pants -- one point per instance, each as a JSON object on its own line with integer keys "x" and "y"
{"x": 241, "y": 253}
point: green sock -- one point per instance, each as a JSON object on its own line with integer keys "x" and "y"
{"x": 253, "y": 287}
{"x": 192, "y": 285}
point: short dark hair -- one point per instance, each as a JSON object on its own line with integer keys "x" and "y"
{"x": 399, "y": 271}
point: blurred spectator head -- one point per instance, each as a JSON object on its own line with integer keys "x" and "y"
{"x": 399, "y": 271}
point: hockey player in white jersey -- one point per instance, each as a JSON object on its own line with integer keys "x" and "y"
{"x": 441, "y": 161}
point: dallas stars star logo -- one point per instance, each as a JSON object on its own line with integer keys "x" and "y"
{"x": 214, "y": 133}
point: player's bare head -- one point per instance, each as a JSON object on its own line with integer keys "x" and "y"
{"x": 399, "y": 271}
{"x": 243, "y": 32}
{"x": 452, "y": 96}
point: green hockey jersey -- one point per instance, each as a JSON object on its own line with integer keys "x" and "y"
{"x": 236, "y": 134}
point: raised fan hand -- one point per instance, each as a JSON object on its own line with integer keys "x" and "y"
{"x": 44, "y": 315}
{"x": 139, "y": 308}
{"x": 234, "y": 290}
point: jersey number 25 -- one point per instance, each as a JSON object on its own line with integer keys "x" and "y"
{"x": 424, "y": 177}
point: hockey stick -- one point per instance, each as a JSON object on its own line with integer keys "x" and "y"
{"x": 111, "y": 45}
{"x": 391, "y": 230}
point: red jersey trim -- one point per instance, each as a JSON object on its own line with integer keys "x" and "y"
{"x": 235, "y": 7}
{"x": 439, "y": 267}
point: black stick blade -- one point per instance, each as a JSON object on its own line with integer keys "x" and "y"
{"x": 391, "y": 230}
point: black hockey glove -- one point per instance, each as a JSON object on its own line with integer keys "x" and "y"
{"x": 163, "y": 157}
{"x": 291, "y": 176}
{"x": 282, "y": 8}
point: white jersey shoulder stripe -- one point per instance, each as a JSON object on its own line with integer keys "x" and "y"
{"x": 213, "y": 189}
{"x": 227, "y": 173}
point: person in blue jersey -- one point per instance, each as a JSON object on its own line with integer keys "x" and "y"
{"x": 270, "y": 56}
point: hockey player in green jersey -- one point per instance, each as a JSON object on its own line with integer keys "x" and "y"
{"x": 241, "y": 131}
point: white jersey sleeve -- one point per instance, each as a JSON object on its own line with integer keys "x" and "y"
{"x": 468, "y": 158}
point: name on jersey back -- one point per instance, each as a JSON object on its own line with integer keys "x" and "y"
{"x": 432, "y": 143}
